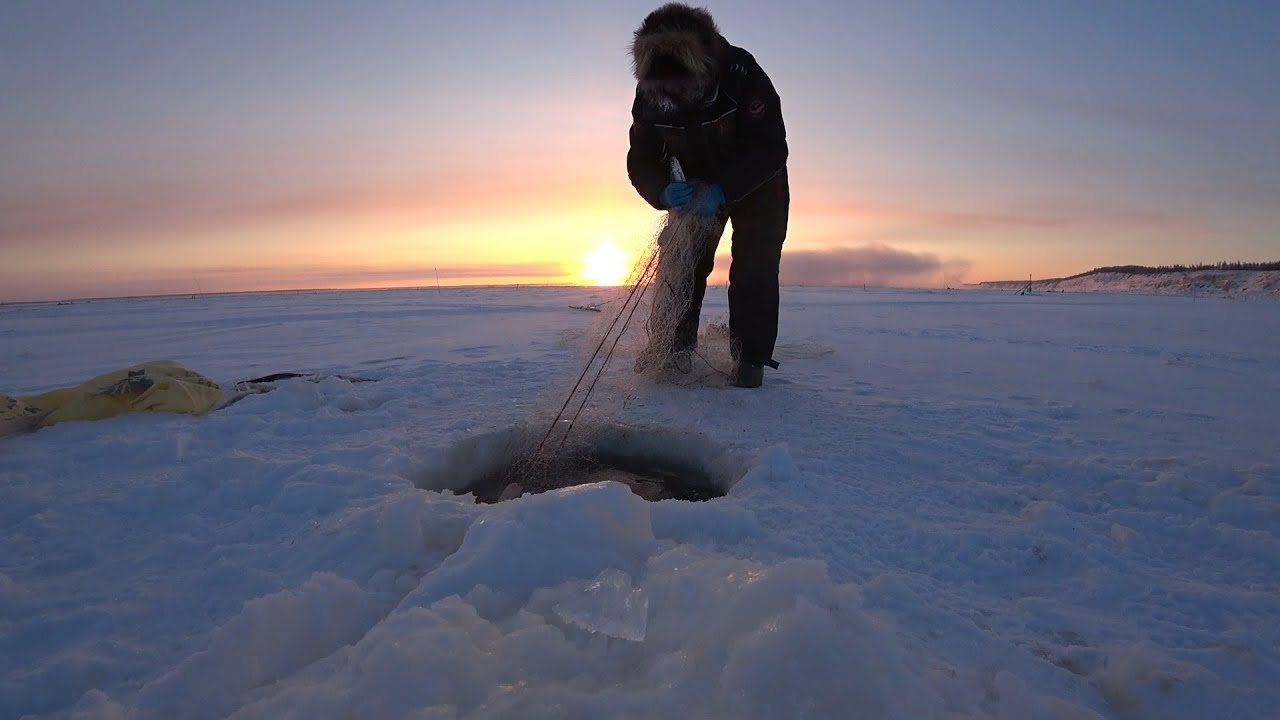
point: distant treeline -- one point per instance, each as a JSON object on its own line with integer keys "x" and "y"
{"x": 1144, "y": 270}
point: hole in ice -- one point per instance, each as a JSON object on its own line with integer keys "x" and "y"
{"x": 656, "y": 463}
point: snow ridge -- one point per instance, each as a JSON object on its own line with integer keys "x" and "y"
{"x": 1203, "y": 283}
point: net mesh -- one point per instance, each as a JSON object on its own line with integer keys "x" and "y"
{"x": 665, "y": 343}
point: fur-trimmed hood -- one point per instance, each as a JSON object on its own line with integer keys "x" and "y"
{"x": 676, "y": 52}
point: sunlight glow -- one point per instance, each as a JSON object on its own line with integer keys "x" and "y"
{"x": 607, "y": 264}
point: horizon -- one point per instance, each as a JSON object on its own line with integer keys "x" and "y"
{"x": 241, "y": 148}
{"x": 722, "y": 282}
{"x": 422, "y": 288}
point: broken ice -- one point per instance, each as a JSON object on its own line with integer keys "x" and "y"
{"x": 608, "y": 605}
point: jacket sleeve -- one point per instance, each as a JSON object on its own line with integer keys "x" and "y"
{"x": 762, "y": 136}
{"x": 644, "y": 160}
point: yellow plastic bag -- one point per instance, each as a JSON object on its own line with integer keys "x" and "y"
{"x": 159, "y": 386}
{"x": 17, "y": 415}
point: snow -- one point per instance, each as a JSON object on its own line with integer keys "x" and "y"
{"x": 943, "y": 505}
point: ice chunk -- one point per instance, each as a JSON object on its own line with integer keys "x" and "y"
{"x": 545, "y": 540}
{"x": 608, "y": 605}
{"x": 1049, "y": 516}
{"x": 1137, "y": 679}
{"x": 273, "y": 636}
{"x": 820, "y": 662}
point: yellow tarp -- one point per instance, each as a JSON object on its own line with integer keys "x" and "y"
{"x": 160, "y": 386}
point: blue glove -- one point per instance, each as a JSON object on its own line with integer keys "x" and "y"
{"x": 709, "y": 201}
{"x": 676, "y": 195}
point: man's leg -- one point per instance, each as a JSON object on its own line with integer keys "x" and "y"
{"x": 759, "y": 230}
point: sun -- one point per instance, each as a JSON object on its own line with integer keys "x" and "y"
{"x": 607, "y": 264}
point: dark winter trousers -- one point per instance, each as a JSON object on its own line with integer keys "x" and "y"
{"x": 759, "y": 229}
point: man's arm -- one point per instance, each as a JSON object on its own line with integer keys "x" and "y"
{"x": 762, "y": 135}
{"x": 644, "y": 160}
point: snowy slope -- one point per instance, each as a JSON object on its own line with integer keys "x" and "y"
{"x": 943, "y": 505}
{"x": 1227, "y": 283}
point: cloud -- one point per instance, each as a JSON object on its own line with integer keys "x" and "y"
{"x": 871, "y": 264}
{"x": 408, "y": 197}
{"x": 160, "y": 281}
{"x": 925, "y": 215}
{"x": 337, "y": 276}
{"x": 1152, "y": 111}
{"x": 33, "y": 215}
{"x": 1066, "y": 214}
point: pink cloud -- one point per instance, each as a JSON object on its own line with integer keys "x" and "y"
{"x": 871, "y": 264}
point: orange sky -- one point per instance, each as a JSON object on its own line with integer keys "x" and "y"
{"x": 392, "y": 235}
{"x": 467, "y": 229}
{"x": 189, "y": 148}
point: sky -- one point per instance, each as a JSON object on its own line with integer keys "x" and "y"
{"x": 178, "y": 147}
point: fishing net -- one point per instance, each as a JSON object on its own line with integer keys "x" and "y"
{"x": 670, "y": 340}
{"x": 647, "y": 334}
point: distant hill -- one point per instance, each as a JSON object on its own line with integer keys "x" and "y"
{"x": 1227, "y": 279}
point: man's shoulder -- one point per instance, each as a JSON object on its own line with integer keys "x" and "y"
{"x": 739, "y": 69}
{"x": 739, "y": 60}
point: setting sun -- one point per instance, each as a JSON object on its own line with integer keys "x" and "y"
{"x": 607, "y": 264}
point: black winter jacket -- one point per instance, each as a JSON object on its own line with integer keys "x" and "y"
{"x": 738, "y": 141}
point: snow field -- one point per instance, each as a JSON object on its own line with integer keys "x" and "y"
{"x": 944, "y": 505}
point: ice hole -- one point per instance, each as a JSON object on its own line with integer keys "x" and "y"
{"x": 656, "y": 463}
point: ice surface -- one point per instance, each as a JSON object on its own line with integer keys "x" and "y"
{"x": 947, "y": 505}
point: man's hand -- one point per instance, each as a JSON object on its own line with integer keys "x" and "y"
{"x": 709, "y": 201}
{"x": 676, "y": 195}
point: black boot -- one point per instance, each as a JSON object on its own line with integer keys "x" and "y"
{"x": 748, "y": 375}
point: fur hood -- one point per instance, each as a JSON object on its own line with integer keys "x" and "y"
{"x": 676, "y": 52}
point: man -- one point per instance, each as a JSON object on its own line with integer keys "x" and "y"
{"x": 710, "y": 106}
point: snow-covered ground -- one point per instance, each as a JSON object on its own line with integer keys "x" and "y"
{"x": 1198, "y": 283}
{"x": 943, "y": 505}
